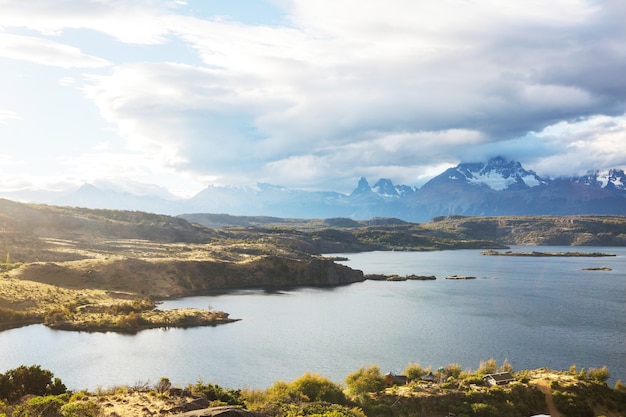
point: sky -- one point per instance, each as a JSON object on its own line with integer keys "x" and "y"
{"x": 308, "y": 94}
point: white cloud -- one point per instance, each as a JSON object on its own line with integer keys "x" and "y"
{"x": 6, "y": 115}
{"x": 46, "y": 52}
{"x": 131, "y": 21}
{"x": 345, "y": 88}
{"x": 594, "y": 143}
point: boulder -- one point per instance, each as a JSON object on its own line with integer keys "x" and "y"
{"x": 224, "y": 411}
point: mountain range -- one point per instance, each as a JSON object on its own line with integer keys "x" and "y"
{"x": 498, "y": 187}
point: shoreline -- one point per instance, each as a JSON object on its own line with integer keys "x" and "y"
{"x": 547, "y": 254}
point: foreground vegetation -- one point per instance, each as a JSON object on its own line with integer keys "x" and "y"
{"x": 32, "y": 391}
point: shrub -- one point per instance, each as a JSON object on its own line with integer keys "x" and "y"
{"x": 414, "y": 371}
{"x": 44, "y": 406}
{"x": 321, "y": 409}
{"x": 598, "y": 374}
{"x": 490, "y": 366}
{"x": 163, "y": 385}
{"x": 81, "y": 409}
{"x": 453, "y": 370}
{"x": 16, "y": 383}
{"x": 214, "y": 392}
{"x": 572, "y": 405}
{"x": 506, "y": 366}
{"x": 318, "y": 388}
{"x": 365, "y": 380}
{"x": 484, "y": 410}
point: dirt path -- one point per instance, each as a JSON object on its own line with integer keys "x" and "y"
{"x": 549, "y": 400}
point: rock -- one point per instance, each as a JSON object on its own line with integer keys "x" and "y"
{"x": 225, "y": 411}
{"x": 193, "y": 405}
{"x": 460, "y": 277}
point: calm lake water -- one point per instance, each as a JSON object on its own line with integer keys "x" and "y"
{"x": 532, "y": 311}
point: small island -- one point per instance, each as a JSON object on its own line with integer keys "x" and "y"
{"x": 546, "y": 254}
{"x": 395, "y": 277}
{"x": 598, "y": 268}
{"x": 460, "y": 277}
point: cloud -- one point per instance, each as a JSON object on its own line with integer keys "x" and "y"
{"x": 340, "y": 90}
{"x": 46, "y": 52}
{"x": 593, "y": 143}
{"x": 6, "y": 115}
{"x": 131, "y": 21}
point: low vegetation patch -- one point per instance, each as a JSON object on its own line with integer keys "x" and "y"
{"x": 32, "y": 391}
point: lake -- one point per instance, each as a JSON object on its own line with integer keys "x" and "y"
{"x": 533, "y": 312}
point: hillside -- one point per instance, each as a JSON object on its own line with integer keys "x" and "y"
{"x": 445, "y": 392}
{"x": 442, "y": 232}
{"x": 68, "y": 266}
{"x": 61, "y": 263}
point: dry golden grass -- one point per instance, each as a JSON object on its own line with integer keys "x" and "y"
{"x": 23, "y": 295}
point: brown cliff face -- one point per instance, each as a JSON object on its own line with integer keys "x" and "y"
{"x": 176, "y": 278}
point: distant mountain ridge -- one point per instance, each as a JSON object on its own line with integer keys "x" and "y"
{"x": 497, "y": 187}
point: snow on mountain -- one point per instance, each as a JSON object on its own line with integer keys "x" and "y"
{"x": 495, "y": 187}
{"x": 614, "y": 179}
{"x": 498, "y": 174}
{"x": 385, "y": 188}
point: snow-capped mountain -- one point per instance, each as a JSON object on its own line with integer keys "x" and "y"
{"x": 385, "y": 188}
{"x": 496, "y": 187}
{"x": 608, "y": 179}
{"x": 497, "y": 174}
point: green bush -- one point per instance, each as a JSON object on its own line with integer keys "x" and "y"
{"x": 163, "y": 385}
{"x": 365, "y": 380}
{"x": 490, "y": 366}
{"x": 215, "y": 393}
{"x": 50, "y": 405}
{"x": 318, "y": 388}
{"x": 15, "y": 383}
{"x": 321, "y": 409}
{"x": 414, "y": 371}
{"x": 598, "y": 374}
{"x": 484, "y": 410}
{"x": 81, "y": 409}
{"x": 571, "y": 405}
{"x": 453, "y": 370}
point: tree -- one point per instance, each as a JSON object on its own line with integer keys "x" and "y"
{"x": 318, "y": 388}
{"x": 415, "y": 371}
{"x": 163, "y": 385}
{"x": 365, "y": 380}
{"x": 506, "y": 366}
{"x": 453, "y": 370}
{"x": 16, "y": 383}
{"x": 490, "y": 366}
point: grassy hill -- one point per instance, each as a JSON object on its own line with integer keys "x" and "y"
{"x": 56, "y": 255}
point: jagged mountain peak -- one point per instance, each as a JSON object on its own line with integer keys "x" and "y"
{"x": 385, "y": 188}
{"x": 498, "y": 174}
{"x": 362, "y": 187}
{"x": 614, "y": 179}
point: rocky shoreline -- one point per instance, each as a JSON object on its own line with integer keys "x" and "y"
{"x": 395, "y": 277}
{"x": 546, "y": 254}
{"x": 154, "y": 319}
